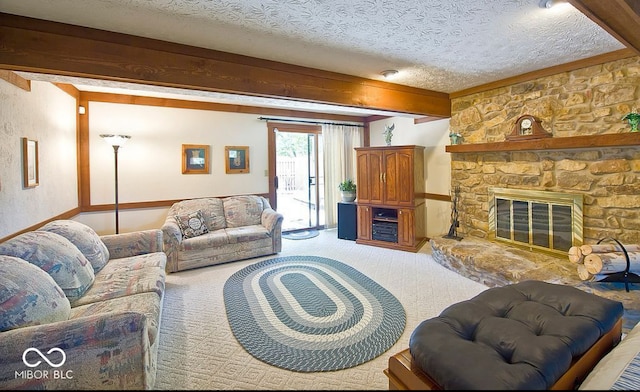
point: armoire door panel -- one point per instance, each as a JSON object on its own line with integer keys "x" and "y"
{"x": 363, "y": 184}
{"x": 405, "y": 178}
{"x": 390, "y": 178}
{"x": 376, "y": 178}
{"x": 406, "y": 223}
{"x": 364, "y": 222}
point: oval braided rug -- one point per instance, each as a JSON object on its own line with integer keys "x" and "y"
{"x": 311, "y": 314}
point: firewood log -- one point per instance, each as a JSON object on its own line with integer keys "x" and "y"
{"x": 583, "y": 274}
{"x": 597, "y": 263}
{"x": 575, "y": 254}
{"x": 608, "y": 247}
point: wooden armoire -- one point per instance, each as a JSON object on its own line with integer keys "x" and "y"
{"x": 390, "y": 197}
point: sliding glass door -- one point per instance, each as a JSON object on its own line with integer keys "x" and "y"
{"x": 298, "y": 183}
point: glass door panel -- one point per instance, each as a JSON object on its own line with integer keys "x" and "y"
{"x": 299, "y": 178}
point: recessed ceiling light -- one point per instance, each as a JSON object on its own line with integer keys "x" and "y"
{"x": 389, "y": 73}
{"x": 546, "y": 3}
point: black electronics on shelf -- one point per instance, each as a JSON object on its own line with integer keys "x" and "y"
{"x": 385, "y": 214}
{"x": 385, "y": 231}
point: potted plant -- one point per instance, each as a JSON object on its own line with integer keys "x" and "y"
{"x": 347, "y": 190}
{"x": 634, "y": 119}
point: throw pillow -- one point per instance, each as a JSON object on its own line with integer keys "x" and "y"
{"x": 56, "y": 256}
{"x": 192, "y": 224}
{"x": 84, "y": 237}
{"x": 29, "y": 296}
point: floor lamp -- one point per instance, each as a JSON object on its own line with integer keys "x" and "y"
{"x": 116, "y": 141}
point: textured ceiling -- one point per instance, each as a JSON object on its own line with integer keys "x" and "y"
{"x": 445, "y": 46}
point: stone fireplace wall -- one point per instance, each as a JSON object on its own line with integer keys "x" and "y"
{"x": 587, "y": 101}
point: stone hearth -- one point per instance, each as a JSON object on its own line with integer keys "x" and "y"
{"x": 495, "y": 264}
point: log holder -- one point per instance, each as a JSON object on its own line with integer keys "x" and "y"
{"x": 621, "y": 276}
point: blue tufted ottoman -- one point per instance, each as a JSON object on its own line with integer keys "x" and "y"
{"x": 528, "y": 335}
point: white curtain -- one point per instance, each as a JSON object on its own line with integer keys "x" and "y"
{"x": 339, "y": 164}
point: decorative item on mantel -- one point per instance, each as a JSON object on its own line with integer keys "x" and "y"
{"x": 528, "y": 127}
{"x": 455, "y": 137}
{"x": 347, "y": 190}
{"x": 388, "y": 133}
{"x": 634, "y": 119}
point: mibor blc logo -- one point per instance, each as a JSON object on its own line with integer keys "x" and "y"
{"x": 55, "y": 358}
{"x": 52, "y": 364}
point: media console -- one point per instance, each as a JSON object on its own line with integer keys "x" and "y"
{"x": 398, "y": 228}
{"x": 390, "y": 197}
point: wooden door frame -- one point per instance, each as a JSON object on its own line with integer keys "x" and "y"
{"x": 271, "y": 146}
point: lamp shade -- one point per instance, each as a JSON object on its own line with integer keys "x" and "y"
{"x": 115, "y": 140}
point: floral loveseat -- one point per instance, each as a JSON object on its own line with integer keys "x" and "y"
{"x": 211, "y": 230}
{"x": 78, "y": 310}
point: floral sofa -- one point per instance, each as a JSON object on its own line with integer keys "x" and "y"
{"x": 78, "y": 310}
{"x": 620, "y": 368}
{"x": 211, "y": 230}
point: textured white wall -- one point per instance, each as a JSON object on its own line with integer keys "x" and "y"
{"x": 46, "y": 114}
{"x": 433, "y": 135}
{"x": 150, "y": 163}
{"x": 130, "y": 220}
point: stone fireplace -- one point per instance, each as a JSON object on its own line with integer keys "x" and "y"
{"x": 608, "y": 180}
{"x": 586, "y": 154}
{"x": 591, "y": 153}
{"x": 537, "y": 220}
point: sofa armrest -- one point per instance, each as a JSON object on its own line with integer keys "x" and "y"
{"x": 133, "y": 244}
{"x": 172, "y": 238}
{"x": 171, "y": 232}
{"x": 271, "y": 219}
{"x": 106, "y": 351}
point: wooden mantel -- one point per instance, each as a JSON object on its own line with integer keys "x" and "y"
{"x": 554, "y": 143}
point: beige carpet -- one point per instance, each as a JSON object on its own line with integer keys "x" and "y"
{"x": 198, "y": 351}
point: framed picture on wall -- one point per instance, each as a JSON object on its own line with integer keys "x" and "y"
{"x": 30, "y": 169}
{"x": 195, "y": 159}
{"x": 236, "y": 159}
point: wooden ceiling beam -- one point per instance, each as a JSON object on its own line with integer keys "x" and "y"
{"x": 35, "y": 45}
{"x": 620, "y": 18}
{"x": 16, "y": 80}
{"x": 218, "y": 107}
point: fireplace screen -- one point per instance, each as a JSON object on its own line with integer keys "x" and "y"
{"x": 549, "y": 221}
